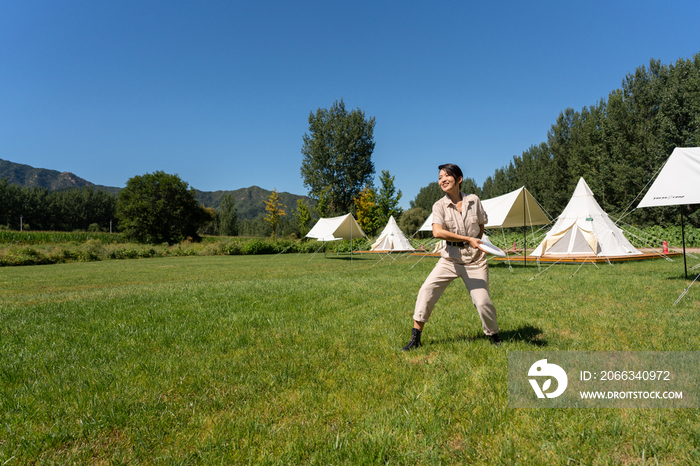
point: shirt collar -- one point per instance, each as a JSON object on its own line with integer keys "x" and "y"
{"x": 449, "y": 202}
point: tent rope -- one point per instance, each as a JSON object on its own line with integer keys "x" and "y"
{"x": 686, "y": 290}
{"x": 649, "y": 241}
{"x": 624, "y": 213}
{"x": 535, "y": 276}
{"x": 323, "y": 243}
{"x": 287, "y": 248}
{"x": 587, "y": 259}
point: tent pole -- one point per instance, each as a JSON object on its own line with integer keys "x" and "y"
{"x": 524, "y": 231}
{"x": 685, "y": 264}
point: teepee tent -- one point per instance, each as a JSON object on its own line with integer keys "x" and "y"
{"x": 584, "y": 229}
{"x": 392, "y": 239}
{"x": 678, "y": 183}
{"x": 336, "y": 228}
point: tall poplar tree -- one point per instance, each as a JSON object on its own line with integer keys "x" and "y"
{"x": 338, "y": 156}
{"x": 228, "y": 216}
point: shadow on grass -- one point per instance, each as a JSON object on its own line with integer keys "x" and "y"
{"x": 346, "y": 257}
{"x": 691, "y": 276}
{"x": 526, "y": 334}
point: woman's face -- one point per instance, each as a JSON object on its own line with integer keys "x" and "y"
{"x": 448, "y": 182}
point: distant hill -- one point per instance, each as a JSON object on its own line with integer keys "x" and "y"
{"x": 53, "y": 180}
{"x": 250, "y": 202}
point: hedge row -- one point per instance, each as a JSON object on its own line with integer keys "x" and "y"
{"x": 35, "y": 248}
{"x": 96, "y": 250}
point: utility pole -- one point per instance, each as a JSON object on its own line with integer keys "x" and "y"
{"x": 20, "y": 223}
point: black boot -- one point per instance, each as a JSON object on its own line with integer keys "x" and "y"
{"x": 495, "y": 339}
{"x": 415, "y": 340}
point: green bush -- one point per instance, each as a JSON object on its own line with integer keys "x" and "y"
{"x": 258, "y": 246}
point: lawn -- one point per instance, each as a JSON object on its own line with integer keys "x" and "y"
{"x": 294, "y": 359}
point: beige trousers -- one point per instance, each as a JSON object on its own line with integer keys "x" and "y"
{"x": 476, "y": 279}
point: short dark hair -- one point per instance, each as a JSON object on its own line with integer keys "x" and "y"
{"x": 452, "y": 170}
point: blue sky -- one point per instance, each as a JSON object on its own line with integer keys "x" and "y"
{"x": 220, "y": 92}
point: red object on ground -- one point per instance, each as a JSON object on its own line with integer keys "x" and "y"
{"x": 665, "y": 248}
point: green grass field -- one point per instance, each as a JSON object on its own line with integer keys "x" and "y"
{"x": 296, "y": 360}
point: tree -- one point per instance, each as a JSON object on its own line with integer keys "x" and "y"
{"x": 302, "y": 216}
{"x": 412, "y": 220}
{"x": 368, "y": 215}
{"x": 158, "y": 207}
{"x": 469, "y": 186}
{"x": 228, "y": 216}
{"x": 427, "y": 196}
{"x": 337, "y": 156}
{"x": 322, "y": 208}
{"x": 275, "y": 210}
{"x": 388, "y": 199}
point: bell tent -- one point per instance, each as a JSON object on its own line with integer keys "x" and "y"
{"x": 584, "y": 229}
{"x": 392, "y": 239}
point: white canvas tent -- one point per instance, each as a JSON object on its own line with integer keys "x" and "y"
{"x": 515, "y": 209}
{"x": 392, "y": 239}
{"x": 678, "y": 183}
{"x": 584, "y": 229}
{"x": 336, "y": 228}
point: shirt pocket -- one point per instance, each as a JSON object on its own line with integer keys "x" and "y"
{"x": 472, "y": 218}
{"x": 451, "y": 225}
{"x": 472, "y": 224}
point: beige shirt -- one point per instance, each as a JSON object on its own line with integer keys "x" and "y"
{"x": 465, "y": 223}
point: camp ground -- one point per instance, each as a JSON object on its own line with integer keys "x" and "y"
{"x": 583, "y": 232}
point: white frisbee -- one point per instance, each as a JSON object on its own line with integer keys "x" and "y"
{"x": 489, "y": 248}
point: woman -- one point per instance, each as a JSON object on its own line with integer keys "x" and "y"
{"x": 458, "y": 219}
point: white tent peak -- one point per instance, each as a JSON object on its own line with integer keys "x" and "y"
{"x": 582, "y": 189}
{"x": 583, "y": 228}
{"x": 392, "y": 239}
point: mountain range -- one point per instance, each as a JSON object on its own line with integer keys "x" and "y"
{"x": 250, "y": 202}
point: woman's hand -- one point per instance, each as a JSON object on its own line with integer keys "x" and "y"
{"x": 474, "y": 242}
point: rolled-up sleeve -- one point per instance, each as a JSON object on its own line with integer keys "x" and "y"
{"x": 439, "y": 213}
{"x": 481, "y": 214}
